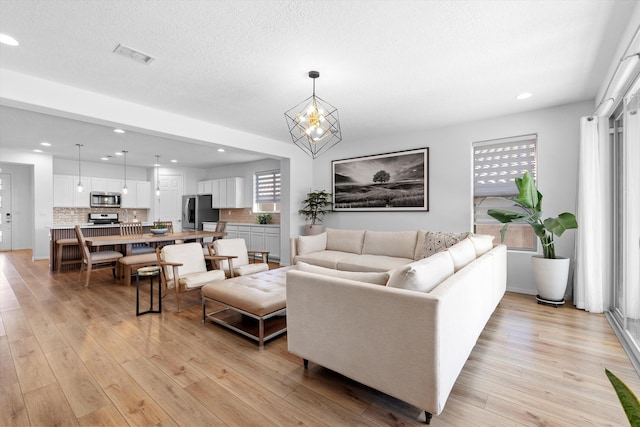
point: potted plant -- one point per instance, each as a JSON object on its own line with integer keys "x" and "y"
{"x": 263, "y": 218}
{"x": 314, "y": 208}
{"x": 550, "y": 271}
{"x": 158, "y": 228}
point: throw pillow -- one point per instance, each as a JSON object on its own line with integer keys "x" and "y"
{"x": 423, "y": 275}
{"x": 482, "y": 243}
{"x": 315, "y": 243}
{"x": 368, "y": 277}
{"x": 437, "y": 241}
{"x": 462, "y": 253}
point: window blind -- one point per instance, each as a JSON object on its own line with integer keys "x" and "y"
{"x": 268, "y": 186}
{"x": 498, "y": 162}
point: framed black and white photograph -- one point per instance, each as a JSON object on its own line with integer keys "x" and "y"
{"x": 396, "y": 181}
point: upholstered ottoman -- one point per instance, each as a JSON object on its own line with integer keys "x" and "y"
{"x": 254, "y": 305}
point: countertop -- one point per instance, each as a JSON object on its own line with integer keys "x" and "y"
{"x": 244, "y": 223}
{"x": 90, "y": 225}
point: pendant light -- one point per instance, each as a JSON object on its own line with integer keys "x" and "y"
{"x": 125, "y": 190}
{"x": 313, "y": 123}
{"x": 79, "y": 186}
{"x": 157, "y": 165}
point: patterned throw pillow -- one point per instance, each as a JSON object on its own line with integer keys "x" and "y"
{"x": 437, "y": 241}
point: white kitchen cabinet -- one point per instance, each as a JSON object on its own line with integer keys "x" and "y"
{"x": 143, "y": 196}
{"x": 232, "y": 232}
{"x": 227, "y": 192}
{"x": 130, "y": 199}
{"x": 65, "y": 192}
{"x": 106, "y": 185}
{"x": 266, "y": 238}
{"x": 244, "y": 232}
{"x": 205, "y": 187}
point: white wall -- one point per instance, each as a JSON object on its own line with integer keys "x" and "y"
{"x": 100, "y": 170}
{"x": 450, "y": 175}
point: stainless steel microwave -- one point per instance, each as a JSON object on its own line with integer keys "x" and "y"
{"x": 101, "y": 199}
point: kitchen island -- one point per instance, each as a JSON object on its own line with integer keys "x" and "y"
{"x": 72, "y": 252}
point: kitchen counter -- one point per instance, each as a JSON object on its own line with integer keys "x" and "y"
{"x": 245, "y": 223}
{"x": 90, "y": 225}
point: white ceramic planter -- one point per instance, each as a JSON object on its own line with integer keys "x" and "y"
{"x": 551, "y": 277}
{"x": 310, "y": 230}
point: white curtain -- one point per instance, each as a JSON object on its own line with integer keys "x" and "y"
{"x": 590, "y": 265}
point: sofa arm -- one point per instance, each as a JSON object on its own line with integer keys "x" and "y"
{"x": 386, "y": 338}
{"x": 293, "y": 249}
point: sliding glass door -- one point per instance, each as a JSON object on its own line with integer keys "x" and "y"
{"x": 624, "y": 134}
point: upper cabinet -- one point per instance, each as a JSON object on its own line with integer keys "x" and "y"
{"x": 66, "y": 195}
{"x": 65, "y": 191}
{"x": 225, "y": 192}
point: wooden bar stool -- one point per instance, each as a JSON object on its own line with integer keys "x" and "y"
{"x": 60, "y": 245}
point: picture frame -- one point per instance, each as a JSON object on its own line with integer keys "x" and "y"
{"x": 396, "y": 181}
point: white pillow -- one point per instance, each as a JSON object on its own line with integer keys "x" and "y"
{"x": 462, "y": 253}
{"x": 482, "y": 243}
{"x": 423, "y": 275}
{"x": 368, "y": 277}
{"x": 314, "y": 243}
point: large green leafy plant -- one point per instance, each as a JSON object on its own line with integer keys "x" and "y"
{"x": 628, "y": 400}
{"x": 529, "y": 200}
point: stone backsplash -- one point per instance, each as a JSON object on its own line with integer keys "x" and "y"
{"x": 245, "y": 215}
{"x": 64, "y": 216}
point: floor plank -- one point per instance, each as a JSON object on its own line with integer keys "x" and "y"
{"x": 71, "y": 355}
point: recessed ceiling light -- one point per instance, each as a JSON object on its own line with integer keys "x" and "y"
{"x": 221, "y": 150}
{"x": 118, "y": 153}
{"x": 8, "y": 40}
{"x": 524, "y": 95}
{"x": 133, "y": 54}
{"x": 174, "y": 161}
{"x": 119, "y": 131}
{"x": 37, "y": 151}
{"x": 45, "y": 144}
{"x": 105, "y": 158}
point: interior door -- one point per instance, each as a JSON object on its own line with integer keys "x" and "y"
{"x": 5, "y": 212}
{"x": 171, "y": 200}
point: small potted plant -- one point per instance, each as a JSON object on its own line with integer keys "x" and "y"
{"x": 263, "y": 218}
{"x": 314, "y": 208}
{"x": 550, "y": 271}
{"x": 159, "y": 228}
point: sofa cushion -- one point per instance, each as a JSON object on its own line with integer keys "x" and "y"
{"x": 315, "y": 243}
{"x": 482, "y": 243}
{"x": 345, "y": 240}
{"x": 423, "y": 275}
{"x": 371, "y": 263}
{"x": 368, "y": 277}
{"x": 326, "y": 258}
{"x": 401, "y": 244}
{"x": 462, "y": 253}
{"x": 436, "y": 241}
{"x": 419, "y": 250}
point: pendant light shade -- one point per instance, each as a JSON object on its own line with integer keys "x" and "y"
{"x": 79, "y": 186}
{"x": 125, "y": 190}
{"x": 313, "y": 123}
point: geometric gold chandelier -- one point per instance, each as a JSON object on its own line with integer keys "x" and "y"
{"x": 313, "y": 123}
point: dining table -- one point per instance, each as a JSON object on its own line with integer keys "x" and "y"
{"x": 150, "y": 238}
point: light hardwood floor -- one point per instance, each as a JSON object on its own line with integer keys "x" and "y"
{"x": 76, "y": 356}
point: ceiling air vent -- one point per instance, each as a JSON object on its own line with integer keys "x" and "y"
{"x": 133, "y": 54}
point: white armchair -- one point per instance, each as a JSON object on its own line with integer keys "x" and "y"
{"x": 184, "y": 268}
{"x": 234, "y": 257}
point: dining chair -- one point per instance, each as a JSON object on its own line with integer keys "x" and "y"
{"x": 234, "y": 257}
{"x": 135, "y": 229}
{"x": 95, "y": 260}
{"x": 184, "y": 268}
{"x": 221, "y": 226}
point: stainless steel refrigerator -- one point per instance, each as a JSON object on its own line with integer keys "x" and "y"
{"x": 197, "y": 209}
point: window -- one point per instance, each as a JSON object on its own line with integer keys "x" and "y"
{"x": 266, "y": 195}
{"x": 496, "y": 165}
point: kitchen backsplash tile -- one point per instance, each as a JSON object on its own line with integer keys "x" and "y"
{"x": 245, "y": 215}
{"x": 81, "y": 215}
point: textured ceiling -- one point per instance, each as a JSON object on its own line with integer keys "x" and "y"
{"x": 389, "y": 66}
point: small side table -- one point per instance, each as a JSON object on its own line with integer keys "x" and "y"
{"x": 149, "y": 272}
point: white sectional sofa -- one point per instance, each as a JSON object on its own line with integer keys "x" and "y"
{"x": 407, "y": 331}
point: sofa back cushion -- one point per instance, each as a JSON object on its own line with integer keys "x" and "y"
{"x": 423, "y": 275}
{"x": 345, "y": 240}
{"x": 437, "y": 241}
{"x": 462, "y": 253}
{"x": 482, "y": 243}
{"x": 401, "y": 244}
{"x": 315, "y": 243}
{"x": 368, "y": 277}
